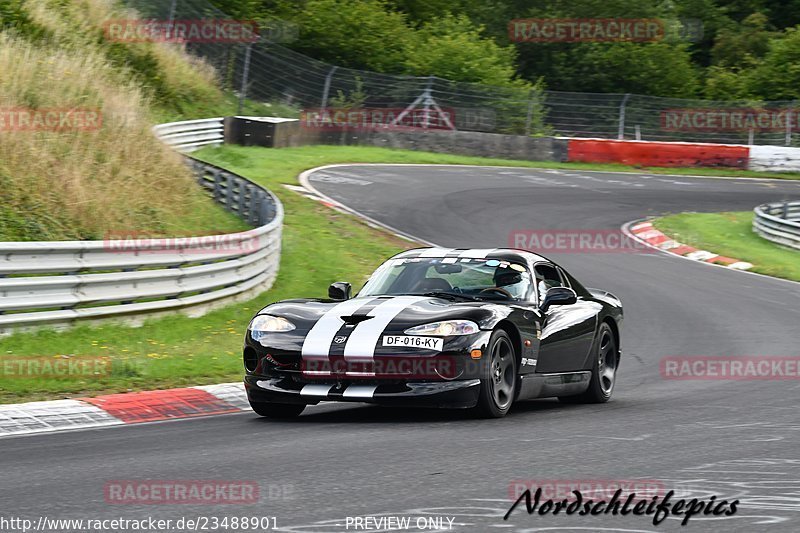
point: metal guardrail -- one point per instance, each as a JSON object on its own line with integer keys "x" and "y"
{"x": 189, "y": 135}
{"x": 59, "y": 282}
{"x": 779, "y": 222}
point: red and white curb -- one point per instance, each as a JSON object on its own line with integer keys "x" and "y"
{"x": 646, "y": 233}
{"x": 121, "y": 409}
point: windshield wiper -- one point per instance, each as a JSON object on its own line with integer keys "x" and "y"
{"x": 451, "y": 296}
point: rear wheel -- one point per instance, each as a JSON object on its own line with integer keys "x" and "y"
{"x": 277, "y": 410}
{"x": 604, "y": 371}
{"x": 499, "y": 384}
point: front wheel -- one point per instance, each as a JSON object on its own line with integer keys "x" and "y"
{"x": 604, "y": 371}
{"x": 277, "y": 410}
{"x": 499, "y": 383}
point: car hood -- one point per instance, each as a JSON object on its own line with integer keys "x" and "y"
{"x": 396, "y": 312}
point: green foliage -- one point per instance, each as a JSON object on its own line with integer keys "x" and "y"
{"x": 738, "y": 55}
{"x": 360, "y": 34}
{"x": 725, "y": 84}
{"x": 452, "y": 47}
{"x": 657, "y": 69}
{"x": 353, "y": 100}
{"x": 241, "y": 9}
{"x": 537, "y": 126}
{"x": 740, "y": 46}
{"x": 777, "y": 77}
{"x": 14, "y": 17}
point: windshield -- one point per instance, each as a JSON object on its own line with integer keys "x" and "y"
{"x": 482, "y": 278}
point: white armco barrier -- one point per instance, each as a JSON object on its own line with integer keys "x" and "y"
{"x": 189, "y": 135}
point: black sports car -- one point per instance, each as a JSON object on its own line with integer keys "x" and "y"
{"x": 438, "y": 327}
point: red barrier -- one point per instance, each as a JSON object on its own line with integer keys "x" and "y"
{"x": 657, "y": 154}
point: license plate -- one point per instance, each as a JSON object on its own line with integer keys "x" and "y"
{"x": 413, "y": 341}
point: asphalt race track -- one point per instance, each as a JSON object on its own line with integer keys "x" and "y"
{"x": 734, "y": 440}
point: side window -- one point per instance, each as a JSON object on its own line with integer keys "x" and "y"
{"x": 564, "y": 278}
{"x": 547, "y": 277}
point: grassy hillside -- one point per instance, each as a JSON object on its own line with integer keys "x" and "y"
{"x": 79, "y": 183}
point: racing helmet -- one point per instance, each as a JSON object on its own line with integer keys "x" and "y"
{"x": 514, "y": 281}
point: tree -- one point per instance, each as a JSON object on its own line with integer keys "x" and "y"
{"x": 777, "y": 77}
{"x": 726, "y": 84}
{"x": 363, "y": 34}
{"x": 742, "y": 45}
{"x": 452, "y": 47}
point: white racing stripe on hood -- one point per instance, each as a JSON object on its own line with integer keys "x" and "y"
{"x": 320, "y": 336}
{"x": 366, "y": 334}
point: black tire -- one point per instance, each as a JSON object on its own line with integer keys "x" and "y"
{"x": 499, "y": 384}
{"x": 277, "y": 410}
{"x": 604, "y": 370}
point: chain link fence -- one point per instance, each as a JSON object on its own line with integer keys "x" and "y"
{"x": 267, "y": 71}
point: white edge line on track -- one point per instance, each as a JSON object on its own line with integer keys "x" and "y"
{"x": 305, "y": 182}
{"x": 102, "y": 427}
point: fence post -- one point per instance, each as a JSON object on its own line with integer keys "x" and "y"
{"x": 245, "y": 76}
{"x": 217, "y": 175}
{"x": 427, "y": 103}
{"x": 171, "y": 17}
{"x": 621, "y": 131}
{"x": 243, "y": 189}
{"x": 751, "y": 137}
{"x": 788, "y": 138}
{"x": 327, "y": 88}
{"x": 230, "y": 183}
{"x": 533, "y": 96}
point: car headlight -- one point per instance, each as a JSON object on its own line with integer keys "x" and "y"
{"x": 446, "y": 328}
{"x": 262, "y": 324}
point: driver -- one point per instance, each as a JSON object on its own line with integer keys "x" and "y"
{"x": 515, "y": 282}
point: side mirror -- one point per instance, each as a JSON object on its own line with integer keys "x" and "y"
{"x": 558, "y": 296}
{"x": 339, "y": 291}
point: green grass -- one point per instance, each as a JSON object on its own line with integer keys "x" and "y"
{"x": 204, "y": 217}
{"x": 319, "y": 246}
{"x": 730, "y": 234}
{"x": 224, "y": 106}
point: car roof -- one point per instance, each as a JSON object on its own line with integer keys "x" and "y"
{"x": 505, "y": 254}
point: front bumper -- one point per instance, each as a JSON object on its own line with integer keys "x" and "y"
{"x": 445, "y": 394}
